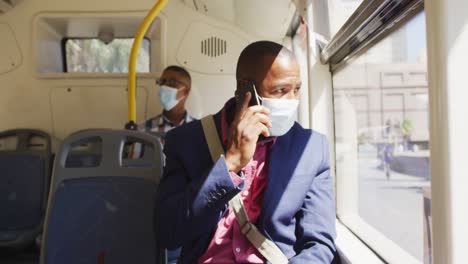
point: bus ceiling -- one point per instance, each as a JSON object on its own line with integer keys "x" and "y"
{"x": 263, "y": 18}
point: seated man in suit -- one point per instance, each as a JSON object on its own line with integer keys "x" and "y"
{"x": 279, "y": 169}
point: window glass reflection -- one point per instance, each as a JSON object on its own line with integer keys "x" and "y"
{"x": 382, "y": 133}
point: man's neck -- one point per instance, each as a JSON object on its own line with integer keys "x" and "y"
{"x": 175, "y": 115}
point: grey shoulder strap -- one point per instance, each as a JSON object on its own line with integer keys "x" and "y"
{"x": 266, "y": 247}
{"x": 212, "y": 138}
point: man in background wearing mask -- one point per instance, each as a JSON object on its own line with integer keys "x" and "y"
{"x": 279, "y": 170}
{"x": 174, "y": 88}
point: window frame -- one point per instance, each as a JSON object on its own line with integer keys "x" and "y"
{"x": 369, "y": 24}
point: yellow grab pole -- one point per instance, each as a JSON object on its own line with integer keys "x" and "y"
{"x": 133, "y": 59}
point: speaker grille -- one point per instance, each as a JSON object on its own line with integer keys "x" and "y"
{"x": 213, "y": 47}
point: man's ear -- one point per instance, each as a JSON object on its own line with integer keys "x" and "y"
{"x": 185, "y": 91}
{"x": 237, "y": 91}
{"x": 236, "y": 95}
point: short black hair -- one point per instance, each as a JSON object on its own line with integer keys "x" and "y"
{"x": 180, "y": 70}
{"x": 251, "y": 59}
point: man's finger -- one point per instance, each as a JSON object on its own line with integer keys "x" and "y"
{"x": 262, "y": 118}
{"x": 262, "y": 130}
{"x": 245, "y": 104}
{"x": 260, "y": 109}
{"x": 254, "y": 129}
{"x": 252, "y": 120}
{"x": 252, "y": 110}
{"x": 265, "y": 131}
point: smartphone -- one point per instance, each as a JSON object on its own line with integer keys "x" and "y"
{"x": 248, "y": 86}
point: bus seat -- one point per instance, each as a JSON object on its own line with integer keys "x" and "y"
{"x": 24, "y": 181}
{"x": 101, "y": 206}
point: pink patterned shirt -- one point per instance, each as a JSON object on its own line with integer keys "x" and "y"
{"x": 229, "y": 245}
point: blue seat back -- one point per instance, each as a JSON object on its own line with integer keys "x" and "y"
{"x": 24, "y": 180}
{"x": 102, "y": 219}
{"x": 102, "y": 206}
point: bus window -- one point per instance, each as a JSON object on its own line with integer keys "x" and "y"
{"x": 382, "y": 136}
{"x": 93, "y": 55}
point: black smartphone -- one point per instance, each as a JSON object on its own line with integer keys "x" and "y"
{"x": 248, "y": 86}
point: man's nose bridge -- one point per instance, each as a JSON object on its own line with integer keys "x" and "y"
{"x": 291, "y": 95}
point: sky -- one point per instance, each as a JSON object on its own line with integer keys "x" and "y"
{"x": 416, "y": 36}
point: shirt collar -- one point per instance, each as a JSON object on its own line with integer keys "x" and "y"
{"x": 165, "y": 121}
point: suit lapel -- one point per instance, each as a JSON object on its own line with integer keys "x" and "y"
{"x": 284, "y": 157}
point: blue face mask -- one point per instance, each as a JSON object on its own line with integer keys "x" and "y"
{"x": 283, "y": 114}
{"x": 168, "y": 97}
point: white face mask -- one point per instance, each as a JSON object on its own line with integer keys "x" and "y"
{"x": 283, "y": 114}
{"x": 168, "y": 97}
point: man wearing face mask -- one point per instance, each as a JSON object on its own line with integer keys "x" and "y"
{"x": 174, "y": 88}
{"x": 268, "y": 194}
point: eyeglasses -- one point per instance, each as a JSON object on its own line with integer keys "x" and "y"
{"x": 170, "y": 82}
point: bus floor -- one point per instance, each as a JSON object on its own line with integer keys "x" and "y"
{"x": 29, "y": 255}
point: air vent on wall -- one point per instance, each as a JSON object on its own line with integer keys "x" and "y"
{"x": 213, "y": 47}
{"x": 216, "y": 49}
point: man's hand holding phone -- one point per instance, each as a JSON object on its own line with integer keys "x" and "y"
{"x": 248, "y": 124}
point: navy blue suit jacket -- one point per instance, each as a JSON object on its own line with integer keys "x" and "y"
{"x": 298, "y": 211}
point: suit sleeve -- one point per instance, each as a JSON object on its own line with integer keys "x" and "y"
{"x": 189, "y": 207}
{"x": 315, "y": 228}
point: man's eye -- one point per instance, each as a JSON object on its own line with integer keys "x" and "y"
{"x": 280, "y": 91}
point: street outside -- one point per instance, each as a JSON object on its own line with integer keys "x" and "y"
{"x": 394, "y": 206}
